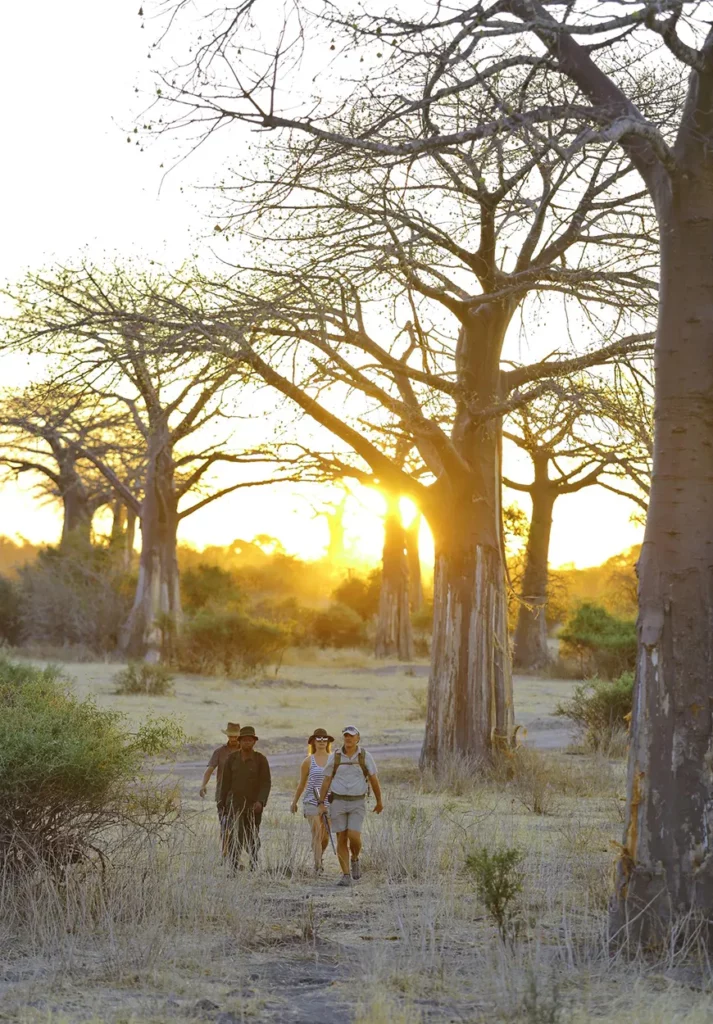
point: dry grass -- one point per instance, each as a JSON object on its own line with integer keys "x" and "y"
{"x": 334, "y": 688}
{"x": 165, "y": 927}
{"x": 165, "y": 933}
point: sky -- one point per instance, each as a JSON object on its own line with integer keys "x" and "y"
{"x": 73, "y": 181}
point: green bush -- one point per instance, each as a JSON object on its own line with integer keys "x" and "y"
{"x": 9, "y": 612}
{"x": 226, "y": 640}
{"x": 68, "y": 769}
{"x": 339, "y": 626}
{"x": 360, "y": 594}
{"x": 605, "y": 645}
{"x": 209, "y": 586}
{"x": 499, "y": 883}
{"x": 600, "y": 709}
{"x": 74, "y": 595}
{"x": 143, "y": 678}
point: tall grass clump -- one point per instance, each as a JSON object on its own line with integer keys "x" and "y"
{"x": 147, "y": 680}
{"x": 600, "y": 709}
{"x": 68, "y": 769}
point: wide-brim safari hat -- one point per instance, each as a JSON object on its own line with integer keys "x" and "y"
{"x": 232, "y": 729}
{"x": 320, "y": 734}
{"x": 247, "y": 730}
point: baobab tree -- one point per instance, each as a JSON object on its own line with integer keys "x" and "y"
{"x": 569, "y": 448}
{"x": 464, "y": 223}
{"x": 331, "y": 323}
{"x": 42, "y": 434}
{"x": 665, "y": 866}
{"x": 116, "y": 335}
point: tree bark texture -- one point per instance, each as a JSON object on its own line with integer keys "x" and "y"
{"x": 78, "y": 509}
{"x": 666, "y": 864}
{"x": 123, "y": 533}
{"x": 470, "y": 700}
{"x": 414, "y": 563}
{"x": 156, "y": 614}
{"x": 530, "y": 645}
{"x": 394, "y": 636}
{"x": 470, "y": 705}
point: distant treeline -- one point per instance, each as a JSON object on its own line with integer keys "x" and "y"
{"x": 244, "y": 603}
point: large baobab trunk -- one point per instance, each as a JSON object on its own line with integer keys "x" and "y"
{"x": 77, "y": 508}
{"x": 394, "y": 637}
{"x": 414, "y": 563}
{"x": 470, "y": 707}
{"x": 123, "y": 532}
{"x": 666, "y": 866}
{"x": 156, "y": 613}
{"x": 470, "y": 704}
{"x": 530, "y": 647}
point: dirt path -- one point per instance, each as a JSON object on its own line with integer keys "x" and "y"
{"x": 543, "y": 733}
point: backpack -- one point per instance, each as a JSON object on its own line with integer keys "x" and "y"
{"x": 361, "y": 758}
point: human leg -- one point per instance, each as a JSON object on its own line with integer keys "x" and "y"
{"x": 354, "y": 843}
{"x": 317, "y": 827}
{"x": 223, "y": 819}
{"x": 343, "y": 851}
{"x": 251, "y": 834}
{"x": 232, "y": 839}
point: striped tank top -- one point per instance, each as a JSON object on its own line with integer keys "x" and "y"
{"x": 314, "y": 781}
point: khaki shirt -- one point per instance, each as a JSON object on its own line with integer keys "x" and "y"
{"x": 349, "y": 779}
{"x": 217, "y": 760}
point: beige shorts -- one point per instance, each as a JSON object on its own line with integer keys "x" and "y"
{"x": 347, "y": 814}
{"x": 311, "y": 810}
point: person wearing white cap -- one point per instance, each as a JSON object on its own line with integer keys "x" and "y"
{"x": 218, "y": 758}
{"x": 347, "y": 776}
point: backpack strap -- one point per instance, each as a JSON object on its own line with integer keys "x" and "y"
{"x": 361, "y": 758}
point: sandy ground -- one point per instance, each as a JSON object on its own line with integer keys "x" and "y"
{"x": 171, "y": 936}
{"x": 338, "y": 688}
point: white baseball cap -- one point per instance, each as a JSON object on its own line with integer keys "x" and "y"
{"x": 350, "y": 730}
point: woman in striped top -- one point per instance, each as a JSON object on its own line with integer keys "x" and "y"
{"x": 319, "y": 747}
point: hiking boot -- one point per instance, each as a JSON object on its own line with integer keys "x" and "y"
{"x": 356, "y": 870}
{"x": 345, "y": 880}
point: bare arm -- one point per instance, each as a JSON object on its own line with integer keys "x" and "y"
{"x": 325, "y": 788}
{"x": 376, "y": 786}
{"x": 206, "y": 779}
{"x": 304, "y": 775}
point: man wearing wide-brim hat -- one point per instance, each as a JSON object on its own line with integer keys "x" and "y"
{"x": 217, "y": 762}
{"x": 244, "y": 789}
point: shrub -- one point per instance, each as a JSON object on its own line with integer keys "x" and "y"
{"x": 209, "y": 586}
{"x": 227, "y": 639}
{"x": 73, "y": 596}
{"x": 536, "y": 780}
{"x": 604, "y": 644}
{"x": 9, "y": 612}
{"x": 339, "y": 626}
{"x": 499, "y": 883}
{"x": 599, "y": 709}
{"x": 67, "y": 769}
{"x": 360, "y": 594}
{"x": 143, "y": 678}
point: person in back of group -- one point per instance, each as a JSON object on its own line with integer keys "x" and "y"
{"x": 348, "y": 774}
{"x": 217, "y": 761}
{"x": 244, "y": 789}
{"x": 319, "y": 746}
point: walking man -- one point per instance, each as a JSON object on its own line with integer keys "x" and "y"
{"x": 244, "y": 789}
{"x": 217, "y": 761}
{"x": 348, "y": 774}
